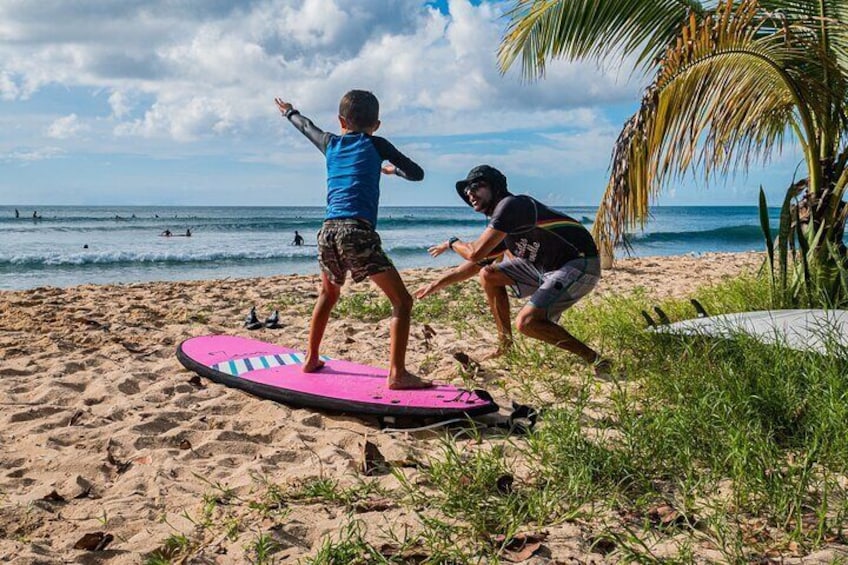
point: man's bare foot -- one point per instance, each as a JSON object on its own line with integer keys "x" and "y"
{"x": 408, "y": 381}
{"x": 603, "y": 369}
{"x": 467, "y": 362}
{"x": 494, "y": 354}
{"x": 311, "y": 365}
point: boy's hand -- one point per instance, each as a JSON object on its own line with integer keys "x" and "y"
{"x": 389, "y": 170}
{"x": 283, "y": 106}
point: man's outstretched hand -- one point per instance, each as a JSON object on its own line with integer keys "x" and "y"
{"x": 426, "y": 290}
{"x": 438, "y": 249}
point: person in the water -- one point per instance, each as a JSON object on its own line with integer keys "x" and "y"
{"x": 348, "y": 240}
{"x": 553, "y": 260}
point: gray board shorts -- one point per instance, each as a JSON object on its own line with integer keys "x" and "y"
{"x": 553, "y": 291}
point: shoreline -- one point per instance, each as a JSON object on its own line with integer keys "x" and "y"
{"x": 104, "y": 431}
{"x": 632, "y": 265}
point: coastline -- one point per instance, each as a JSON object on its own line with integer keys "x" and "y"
{"x": 104, "y": 431}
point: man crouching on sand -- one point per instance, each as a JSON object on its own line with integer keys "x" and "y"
{"x": 553, "y": 260}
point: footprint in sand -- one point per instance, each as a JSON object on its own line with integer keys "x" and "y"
{"x": 35, "y": 413}
{"x": 129, "y": 386}
{"x": 74, "y": 386}
{"x": 229, "y": 449}
{"x": 13, "y": 371}
{"x": 163, "y": 423}
{"x": 18, "y": 467}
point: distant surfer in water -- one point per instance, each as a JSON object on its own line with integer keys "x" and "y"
{"x": 298, "y": 239}
{"x": 552, "y": 259}
{"x": 166, "y": 233}
{"x": 347, "y": 240}
{"x": 188, "y": 232}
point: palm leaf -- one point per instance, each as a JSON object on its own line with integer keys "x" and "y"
{"x": 539, "y": 30}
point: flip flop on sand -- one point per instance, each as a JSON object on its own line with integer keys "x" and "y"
{"x": 273, "y": 321}
{"x": 251, "y": 322}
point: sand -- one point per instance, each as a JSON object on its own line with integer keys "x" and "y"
{"x": 103, "y": 431}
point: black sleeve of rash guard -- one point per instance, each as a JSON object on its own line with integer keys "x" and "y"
{"x": 406, "y": 167}
{"x": 313, "y": 133}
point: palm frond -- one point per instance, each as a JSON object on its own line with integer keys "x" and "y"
{"x": 539, "y": 30}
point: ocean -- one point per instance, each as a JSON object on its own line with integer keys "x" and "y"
{"x": 72, "y": 245}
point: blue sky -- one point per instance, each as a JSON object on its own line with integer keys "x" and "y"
{"x": 155, "y": 102}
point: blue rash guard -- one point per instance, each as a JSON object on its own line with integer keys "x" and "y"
{"x": 354, "y": 162}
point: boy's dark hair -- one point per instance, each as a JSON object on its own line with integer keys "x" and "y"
{"x": 360, "y": 108}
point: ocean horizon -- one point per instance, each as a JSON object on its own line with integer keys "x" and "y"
{"x": 71, "y": 245}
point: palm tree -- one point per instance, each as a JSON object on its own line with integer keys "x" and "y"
{"x": 730, "y": 80}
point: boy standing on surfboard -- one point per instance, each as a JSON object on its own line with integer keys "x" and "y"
{"x": 347, "y": 240}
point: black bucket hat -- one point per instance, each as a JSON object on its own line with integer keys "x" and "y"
{"x": 495, "y": 179}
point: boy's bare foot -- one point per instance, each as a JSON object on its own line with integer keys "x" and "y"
{"x": 311, "y": 365}
{"x": 408, "y": 381}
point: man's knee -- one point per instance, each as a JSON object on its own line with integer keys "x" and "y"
{"x": 525, "y": 322}
{"x": 490, "y": 277}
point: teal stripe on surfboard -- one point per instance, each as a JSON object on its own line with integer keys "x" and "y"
{"x": 238, "y": 367}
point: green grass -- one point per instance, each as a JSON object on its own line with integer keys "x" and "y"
{"x": 174, "y": 548}
{"x": 365, "y": 306}
{"x": 734, "y": 435}
{"x": 460, "y": 306}
{"x": 348, "y": 547}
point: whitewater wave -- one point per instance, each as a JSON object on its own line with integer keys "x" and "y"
{"x": 729, "y": 235}
{"x": 33, "y": 261}
{"x": 217, "y": 225}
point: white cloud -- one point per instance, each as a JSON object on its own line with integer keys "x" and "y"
{"x": 8, "y": 87}
{"x": 196, "y": 79}
{"x": 224, "y": 62}
{"x": 30, "y": 155}
{"x": 65, "y": 127}
{"x": 120, "y": 103}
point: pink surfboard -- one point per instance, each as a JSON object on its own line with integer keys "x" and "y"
{"x": 274, "y": 372}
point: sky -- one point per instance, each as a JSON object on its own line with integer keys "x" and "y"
{"x": 171, "y": 102}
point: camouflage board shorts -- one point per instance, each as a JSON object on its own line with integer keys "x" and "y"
{"x": 350, "y": 245}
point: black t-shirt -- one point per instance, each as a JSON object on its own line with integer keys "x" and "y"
{"x": 534, "y": 232}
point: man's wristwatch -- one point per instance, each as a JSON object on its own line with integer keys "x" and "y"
{"x": 451, "y": 241}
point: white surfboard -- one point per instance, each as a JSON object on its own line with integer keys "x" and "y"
{"x": 823, "y": 331}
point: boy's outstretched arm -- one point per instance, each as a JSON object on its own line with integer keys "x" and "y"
{"x": 404, "y": 167}
{"x": 304, "y": 125}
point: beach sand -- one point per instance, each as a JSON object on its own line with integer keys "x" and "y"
{"x": 104, "y": 431}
